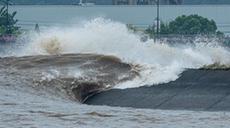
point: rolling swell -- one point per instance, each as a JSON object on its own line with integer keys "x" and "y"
{"x": 74, "y": 76}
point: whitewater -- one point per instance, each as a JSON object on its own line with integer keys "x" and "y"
{"x": 157, "y": 62}
{"x": 46, "y": 75}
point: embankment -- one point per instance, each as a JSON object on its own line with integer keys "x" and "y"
{"x": 194, "y": 90}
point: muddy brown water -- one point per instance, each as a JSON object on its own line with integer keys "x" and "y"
{"x": 43, "y": 91}
{"x": 98, "y": 73}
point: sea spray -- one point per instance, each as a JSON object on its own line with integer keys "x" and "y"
{"x": 158, "y": 62}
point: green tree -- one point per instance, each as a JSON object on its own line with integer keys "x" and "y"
{"x": 150, "y": 31}
{"x": 188, "y": 25}
{"x": 164, "y": 28}
{"x": 192, "y": 24}
{"x": 8, "y": 22}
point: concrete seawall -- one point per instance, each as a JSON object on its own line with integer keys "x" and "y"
{"x": 207, "y": 90}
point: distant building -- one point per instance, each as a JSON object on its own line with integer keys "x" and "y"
{"x": 97, "y": 2}
{"x": 198, "y": 2}
{"x": 89, "y": 1}
{"x": 153, "y": 2}
{"x": 104, "y": 2}
{"x": 117, "y": 2}
{"x": 124, "y": 2}
{"x": 174, "y": 2}
{"x": 145, "y": 2}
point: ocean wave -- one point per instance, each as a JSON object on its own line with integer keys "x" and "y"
{"x": 155, "y": 62}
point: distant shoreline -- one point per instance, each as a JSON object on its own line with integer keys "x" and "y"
{"x": 132, "y": 5}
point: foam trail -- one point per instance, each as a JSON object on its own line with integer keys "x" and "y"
{"x": 157, "y": 62}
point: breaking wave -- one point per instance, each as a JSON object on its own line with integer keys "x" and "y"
{"x": 156, "y": 62}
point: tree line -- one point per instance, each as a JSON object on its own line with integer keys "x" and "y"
{"x": 186, "y": 25}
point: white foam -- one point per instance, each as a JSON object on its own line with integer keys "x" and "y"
{"x": 159, "y": 62}
{"x": 49, "y": 75}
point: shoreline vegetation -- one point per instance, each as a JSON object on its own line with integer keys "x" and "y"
{"x": 8, "y": 28}
{"x": 183, "y": 27}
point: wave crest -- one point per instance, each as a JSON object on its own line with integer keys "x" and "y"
{"x": 156, "y": 62}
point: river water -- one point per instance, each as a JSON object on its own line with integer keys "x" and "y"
{"x": 142, "y": 16}
{"x": 39, "y": 74}
{"x": 26, "y": 104}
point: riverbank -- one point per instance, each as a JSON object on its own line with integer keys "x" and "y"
{"x": 203, "y": 90}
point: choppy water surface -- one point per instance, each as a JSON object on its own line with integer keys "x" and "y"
{"x": 20, "y": 107}
{"x": 44, "y": 77}
{"x": 23, "y": 106}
